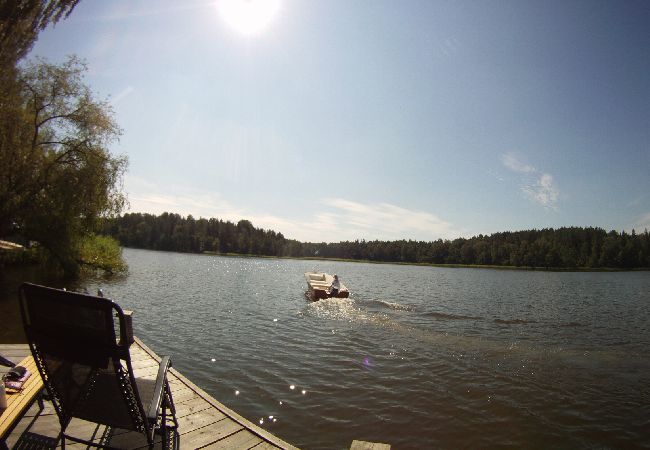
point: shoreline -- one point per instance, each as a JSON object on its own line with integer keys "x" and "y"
{"x": 400, "y": 263}
{"x": 18, "y": 263}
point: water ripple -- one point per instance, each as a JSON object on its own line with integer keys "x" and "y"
{"x": 438, "y": 358}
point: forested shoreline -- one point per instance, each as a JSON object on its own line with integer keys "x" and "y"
{"x": 562, "y": 248}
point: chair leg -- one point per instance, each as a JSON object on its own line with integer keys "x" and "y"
{"x": 165, "y": 431}
{"x": 176, "y": 443}
{"x": 39, "y": 398}
{"x": 168, "y": 402}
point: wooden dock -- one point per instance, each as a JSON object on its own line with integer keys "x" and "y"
{"x": 203, "y": 421}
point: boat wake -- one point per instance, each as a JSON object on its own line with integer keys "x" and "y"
{"x": 452, "y": 316}
{"x": 457, "y": 345}
{"x": 388, "y": 305}
{"x": 338, "y": 309}
{"x": 571, "y": 325}
{"x": 513, "y": 321}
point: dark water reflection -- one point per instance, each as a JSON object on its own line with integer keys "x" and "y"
{"x": 10, "y": 278}
{"x": 418, "y": 357}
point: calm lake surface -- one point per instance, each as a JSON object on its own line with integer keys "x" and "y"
{"x": 417, "y": 357}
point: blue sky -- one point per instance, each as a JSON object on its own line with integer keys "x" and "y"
{"x": 347, "y": 120}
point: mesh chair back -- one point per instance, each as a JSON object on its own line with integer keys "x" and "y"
{"x": 84, "y": 367}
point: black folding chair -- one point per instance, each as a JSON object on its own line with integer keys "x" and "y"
{"x": 87, "y": 370}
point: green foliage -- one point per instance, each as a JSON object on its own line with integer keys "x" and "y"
{"x": 19, "y": 256}
{"x": 57, "y": 177}
{"x": 102, "y": 252}
{"x": 171, "y": 232}
{"x": 562, "y": 248}
{"x": 21, "y": 22}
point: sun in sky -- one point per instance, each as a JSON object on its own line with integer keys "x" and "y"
{"x": 248, "y": 17}
{"x": 471, "y": 131}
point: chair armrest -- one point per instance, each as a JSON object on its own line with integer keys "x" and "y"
{"x": 156, "y": 400}
{"x": 128, "y": 322}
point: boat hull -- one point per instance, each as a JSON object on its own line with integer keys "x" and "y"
{"x": 318, "y": 284}
{"x": 321, "y": 294}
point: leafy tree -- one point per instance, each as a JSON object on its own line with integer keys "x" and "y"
{"x": 548, "y": 248}
{"x": 102, "y": 252}
{"x": 21, "y": 22}
{"x": 57, "y": 177}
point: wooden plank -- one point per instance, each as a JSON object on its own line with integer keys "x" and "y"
{"x": 144, "y": 364}
{"x": 210, "y": 434}
{"x": 27, "y": 420}
{"x": 77, "y": 428}
{"x": 182, "y": 395}
{"x": 130, "y": 440}
{"x": 147, "y": 372}
{"x": 175, "y": 383}
{"x": 206, "y": 433}
{"x": 265, "y": 446}
{"x": 199, "y": 419}
{"x": 189, "y": 408}
{"x": 88, "y": 431}
{"x": 14, "y": 353}
{"x": 139, "y": 356}
{"x": 19, "y": 402}
{"x": 203, "y": 421}
{"x": 7, "y": 347}
{"x": 241, "y": 439}
{"x": 264, "y": 434}
{"x": 46, "y": 424}
{"x": 363, "y": 445}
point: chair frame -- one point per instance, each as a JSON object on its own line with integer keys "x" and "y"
{"x": 116, "y": 351}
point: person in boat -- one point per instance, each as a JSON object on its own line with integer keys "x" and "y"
{"x": 335, "y": 287}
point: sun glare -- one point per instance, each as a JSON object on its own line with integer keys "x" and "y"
{"x": 248, "y": 17}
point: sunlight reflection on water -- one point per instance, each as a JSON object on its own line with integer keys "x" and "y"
{"x": 435, "y": 358}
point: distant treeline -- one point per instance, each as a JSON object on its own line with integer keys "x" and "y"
{"x": 571, "y": 247}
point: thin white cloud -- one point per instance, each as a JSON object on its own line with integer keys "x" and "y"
{"x": 147, "y": 197}
{"x": 512, "y": 162}
{"x": 535, "y": 185}
{"x": 338, "y": 220}
{"x": 543, "y": 191}
{"x": 344, "y": 220}
{"x": 392, "y": 222}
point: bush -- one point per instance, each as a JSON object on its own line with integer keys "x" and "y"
{"x": 101, "y": 252}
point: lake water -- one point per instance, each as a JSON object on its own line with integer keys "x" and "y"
{"x": 417, "y": 357}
